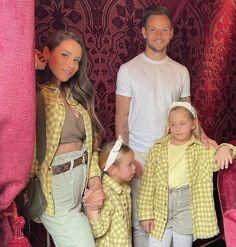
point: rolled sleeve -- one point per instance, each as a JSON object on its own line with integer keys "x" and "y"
{"x": 101, "y": 225}
{"x": 94, "y": 170}
{"x": 123, "y": 86}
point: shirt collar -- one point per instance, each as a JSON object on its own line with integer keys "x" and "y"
{"x": 118, "y": 188}
{"x": 166, "y": 139}
{"x": 53, "y": 88}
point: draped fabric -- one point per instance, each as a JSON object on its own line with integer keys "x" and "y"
{"x": 16, "y": 96}
{"x": 204, "y": 41}
{"x": 227, "y": 195}
{"x": 11, "y": 225}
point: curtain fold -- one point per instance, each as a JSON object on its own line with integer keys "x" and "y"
{"x": 176, "y": 7}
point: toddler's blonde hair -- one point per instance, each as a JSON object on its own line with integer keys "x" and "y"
{"x": 105, "y": 151}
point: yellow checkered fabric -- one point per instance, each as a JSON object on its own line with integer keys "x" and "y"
{"x": 55, "y": 116}
{"x": 113, "y": 227}
{"x": 153, "y": 193}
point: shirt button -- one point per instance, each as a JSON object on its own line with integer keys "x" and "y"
{"x": 54, "y": 146}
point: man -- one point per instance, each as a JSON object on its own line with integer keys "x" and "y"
{"x": 146, "y": 86}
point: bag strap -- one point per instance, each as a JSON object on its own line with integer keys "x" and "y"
{"x": 40, "y": 127}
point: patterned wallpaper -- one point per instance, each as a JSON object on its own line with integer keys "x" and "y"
{"x": 204, "y": 41}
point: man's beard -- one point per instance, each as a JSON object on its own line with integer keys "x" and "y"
{"x": 154, "y": 49}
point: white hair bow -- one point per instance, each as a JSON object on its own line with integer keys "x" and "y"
{"x": 114, "y": 152}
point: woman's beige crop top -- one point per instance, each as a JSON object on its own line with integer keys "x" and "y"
{"x": 73, "y": 129}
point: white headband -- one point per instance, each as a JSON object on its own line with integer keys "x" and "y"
{"x": 182, "y": 104}
{"x": 114, "y": 152}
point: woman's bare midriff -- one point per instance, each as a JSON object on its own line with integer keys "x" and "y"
{"x": 68, "y": 147}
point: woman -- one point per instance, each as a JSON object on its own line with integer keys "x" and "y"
{"x": 73, "y": 134}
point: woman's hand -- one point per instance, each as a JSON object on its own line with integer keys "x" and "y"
{"x": 223, "y": 157}
{"x": 148, "y": 225}
{"x": 40, "y": 62}
{"x": 93, "y": 199}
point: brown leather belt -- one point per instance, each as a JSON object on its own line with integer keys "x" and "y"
{"x": 66, "y": 167}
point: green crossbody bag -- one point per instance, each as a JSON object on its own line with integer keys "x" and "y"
{"x": 31, "y": 200}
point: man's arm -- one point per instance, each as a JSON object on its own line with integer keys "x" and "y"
{"x": 121, "y": 117}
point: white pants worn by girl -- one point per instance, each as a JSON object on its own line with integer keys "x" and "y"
{"x": 69, "y": 227}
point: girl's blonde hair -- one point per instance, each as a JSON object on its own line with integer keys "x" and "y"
{"x": 105, "y": 151}
{"x": 196, "y": 131}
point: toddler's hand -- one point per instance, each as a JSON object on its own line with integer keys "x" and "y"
{"x": 223, "y": 157}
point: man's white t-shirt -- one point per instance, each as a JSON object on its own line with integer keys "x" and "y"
{"x": 152, "y": 86}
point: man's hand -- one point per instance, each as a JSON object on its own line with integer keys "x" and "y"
{"x": 138, "y": 169}
{"x": 207, "y": 141}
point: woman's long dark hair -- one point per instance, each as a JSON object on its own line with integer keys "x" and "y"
{"x": 81, "y": 87}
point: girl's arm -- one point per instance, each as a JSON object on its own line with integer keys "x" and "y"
{"x": 100, "y": 220}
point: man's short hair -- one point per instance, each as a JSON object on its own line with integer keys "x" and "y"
{"x": 155, "y": 10}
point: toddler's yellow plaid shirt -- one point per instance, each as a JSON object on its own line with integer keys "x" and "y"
{"x": 113, "y": 227}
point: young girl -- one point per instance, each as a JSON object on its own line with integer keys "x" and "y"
{"x": 176, "y": 195}
{"x": 112, "y": 225}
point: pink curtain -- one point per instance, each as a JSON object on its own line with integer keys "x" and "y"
{"x": 17, "y": 93}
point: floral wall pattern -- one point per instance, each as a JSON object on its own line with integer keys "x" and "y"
{"x": 204, "y": 41}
